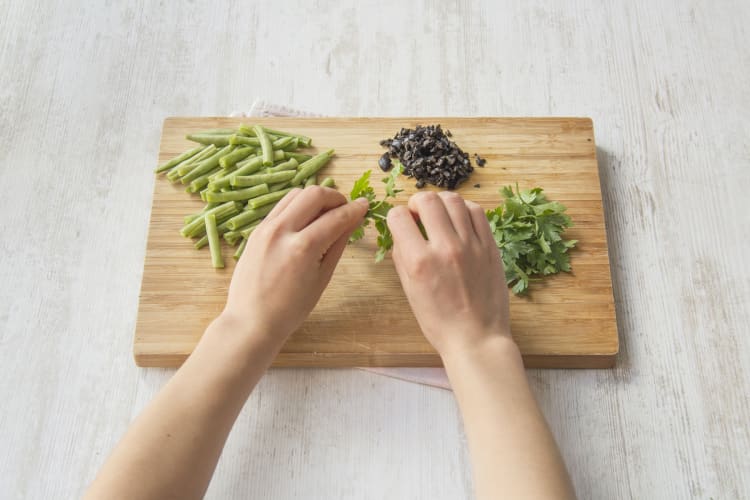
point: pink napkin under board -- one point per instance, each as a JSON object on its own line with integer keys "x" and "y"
{"x": 435, "y": 377}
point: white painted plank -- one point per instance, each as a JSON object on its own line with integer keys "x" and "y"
{"x": 84, "y": 89}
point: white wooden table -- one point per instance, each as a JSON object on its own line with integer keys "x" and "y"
{"x": 83, "y": 91}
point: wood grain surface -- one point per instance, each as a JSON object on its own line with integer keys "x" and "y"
{"x": 363, "y": 318}
{"x": 82, "y": 102}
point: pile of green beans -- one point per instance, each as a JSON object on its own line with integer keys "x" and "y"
{"x": 241, "y": 175}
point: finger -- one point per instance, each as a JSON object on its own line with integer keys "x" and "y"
{"x": 406, "y": 234}
{"x": 332, "y": 257}
{"x": 308, "y": 205}
{"x": 480, "y": 224}
{"x": 458, "y": 213}
{"x": 283, "y": 203}
{"x": 334, "y": 223}
{"x": 431, "y": 211}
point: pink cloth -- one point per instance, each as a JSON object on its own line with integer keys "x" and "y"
{"x": 434, "y": 377}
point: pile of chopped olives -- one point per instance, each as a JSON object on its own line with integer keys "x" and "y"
{"x": 428, "y": 155}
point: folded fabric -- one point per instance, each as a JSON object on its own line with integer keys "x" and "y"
{"x": 434, "y": 377}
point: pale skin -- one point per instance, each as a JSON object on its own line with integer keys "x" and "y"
{"x": 455, "y": 287}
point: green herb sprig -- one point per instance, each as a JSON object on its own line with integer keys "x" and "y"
{"x": 528, "y": 230}
{"x": 378, "y": 210}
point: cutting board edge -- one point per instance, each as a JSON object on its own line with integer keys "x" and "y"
{"x": 586, "y": 119}
{"x": 356, "y": 360}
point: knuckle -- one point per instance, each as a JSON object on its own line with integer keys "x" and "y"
{"x": 420, "y": 265}
{"x": 425, "y": 197}
{"x": 342, "y": 217}
{"x": 315, "y": 192}
{"x": 300, "y": 245}
{"x": 430, "y": 197}
{"x": 452, "y": 253}
{"x": 450, "y": 196}
{"x": 396, "y": 212}
{"x": 269, "y": 229}
{"x": 472, "y": 206}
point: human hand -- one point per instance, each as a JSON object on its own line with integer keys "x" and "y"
{"x": 454, "y": 281}
{"x": 289, "y": 260}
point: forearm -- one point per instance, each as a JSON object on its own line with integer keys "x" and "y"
{"x": 172, "y": 448}
{"x": 513, "y": 452}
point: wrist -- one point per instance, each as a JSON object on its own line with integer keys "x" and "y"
{"x": 237, "y": 327}
{"x": 492, "y": 348}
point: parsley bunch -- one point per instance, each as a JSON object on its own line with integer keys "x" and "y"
{"x": 378, "y": 209}
{"x": 528, "y": 230}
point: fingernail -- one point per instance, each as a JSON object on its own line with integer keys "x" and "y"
{"x": 362, "y": 201}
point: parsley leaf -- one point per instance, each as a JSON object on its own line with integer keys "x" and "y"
{"x": 378, "y": 210}
{"x": 528, "y": 229}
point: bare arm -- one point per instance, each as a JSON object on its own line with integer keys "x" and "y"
{"x": 171, "y": 449}
{"x": 455, "y": 285}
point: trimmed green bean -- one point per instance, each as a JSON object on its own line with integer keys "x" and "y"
{"x": 246, "y": 129}
{"x": 248, "y": 216}
{"x": 282, "y": 143}
{"x": 174, "y": 176}
{"x": 268, "y": 198}
{"x": 201, "y": 243}
{"x": 235, "y": 156}
{"x": 232, "y": 237}
{"x": 218, "y": 131}
{"x": 198, "y": 226}
{"x": 190, "y": 218}
{"x": 277, "y": 187}
{"x": 250, "y": 159}
{"x": 214, "y": 245}
{"x": 254, "y": 180}
{"x": 239, "y": 194}
{"x": 206, "y": 165}
{"x": 290, "y": 164}
{"x": 292, "y": 146}
{"x": 198, "y": 184}
{"x": 311, "y": 166}
{"x": 311, "y": 181}
{"x": 179, "y": 159}
{"x": 240, "y": 249}
{"x": 221, "y": 228}
{"x": 266, "y": 146}
{"x": 250, "y": 167}
{"x": 186, "y": 166}
{"x": 215, "y": 139}
{"x": 328, "y": 182}
{"x": 300, "y": 157}
{"x": 226, "y": 171}
{"x": 303, "y": 139}
{"x": 241, "y": 139}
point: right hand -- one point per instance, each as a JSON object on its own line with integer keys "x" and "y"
{"x": 454, "y": 281}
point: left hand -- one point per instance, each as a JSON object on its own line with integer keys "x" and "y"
{"x": 289, "y": 260}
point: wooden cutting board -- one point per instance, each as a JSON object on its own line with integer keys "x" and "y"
{"x": 363, "y": 318}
